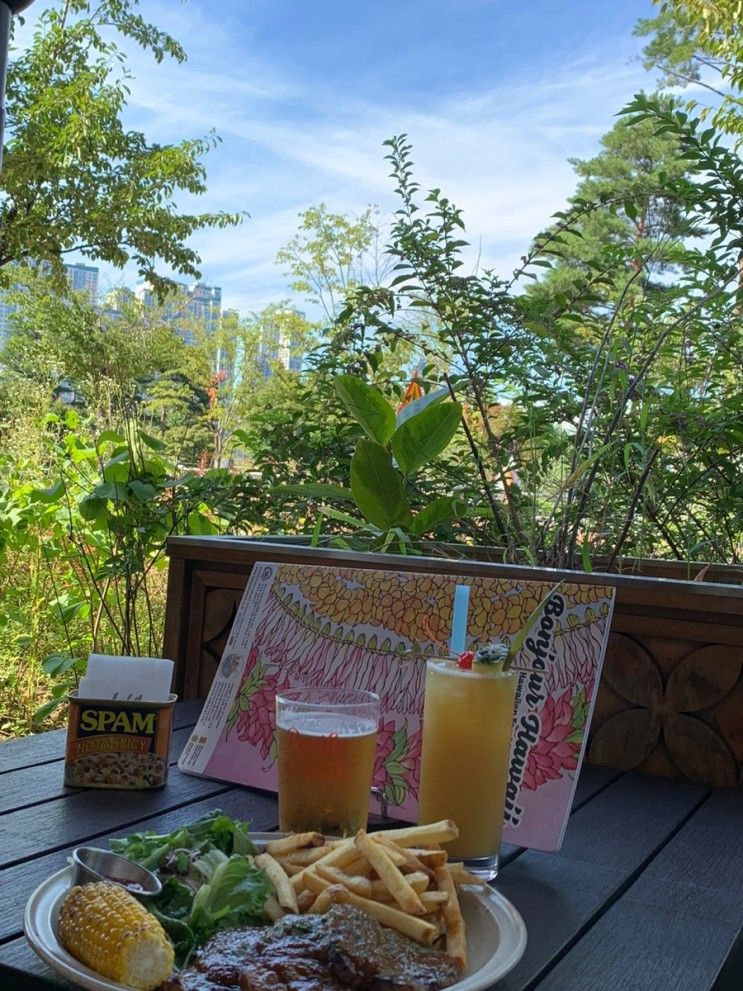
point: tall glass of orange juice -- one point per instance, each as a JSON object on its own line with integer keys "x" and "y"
{"x": 467, "y": 722}
{"x": 327, "y": 739}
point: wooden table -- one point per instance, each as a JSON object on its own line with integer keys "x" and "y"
{"x": 645, "y": 895}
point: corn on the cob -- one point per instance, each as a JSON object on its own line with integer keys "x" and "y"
{"x": 108, "y": 930}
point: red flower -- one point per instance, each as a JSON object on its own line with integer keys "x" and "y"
{"x": 256, "y": 725}
{"x": 553, "y": 753}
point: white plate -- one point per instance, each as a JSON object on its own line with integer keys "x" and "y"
{"x": 496, "y": 934}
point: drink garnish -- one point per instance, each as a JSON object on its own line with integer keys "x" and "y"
{"x": 492, "y": 654}
{"x": 501, "y": 653}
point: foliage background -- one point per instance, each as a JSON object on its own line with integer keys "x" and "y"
{"x": 584, "y": 408}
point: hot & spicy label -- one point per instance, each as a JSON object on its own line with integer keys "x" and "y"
{"x": 118, "y": 744}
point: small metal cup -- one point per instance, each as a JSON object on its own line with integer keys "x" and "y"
{"x": 91, "y": 864}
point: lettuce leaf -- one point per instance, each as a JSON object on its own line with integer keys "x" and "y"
{"x": 210, "y": 881}
{"x": 213, "y": 831}
{"x": 234, "y": 897}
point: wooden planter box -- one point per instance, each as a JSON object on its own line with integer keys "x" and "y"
{"x": 670, "y": 701}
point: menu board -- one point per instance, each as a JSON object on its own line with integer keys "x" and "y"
{"x": 301, "y": 625}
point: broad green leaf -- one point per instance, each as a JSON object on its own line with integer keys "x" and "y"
{"x": 117, "y": 471}
{"x": 152, "y": 442}
{"x": 120, "y": 457}
{"x": 111, "y": 437}
{"x": 71, "y": 610}
{"x": 115, "y": 491}
{"x": 56, "y": 664}
{"x": 48, "y": 707}
{"x": 441, "y": 510}
{"x": 367, "y": 406}
{"x": 414, "y": 407}
{"x": 377, "y": 488}
{"x": 52, "y": 494}
{"x": 630, "y": 209}
{"x": 425, "y": 435}
{"x": 144, "y": 491}
{"x": 200, "y": 525}
{"x": 91, "y": 507}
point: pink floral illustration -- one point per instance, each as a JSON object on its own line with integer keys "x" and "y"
{"x": 300, "y": 640}
{"x": 385, "y": 743}
{"x": 578, "y": 646}
{"x": 257, "y": 725}
{"x": 397, "y": 763}
{"x": 559, "y": 743}
{"x": 253, "y": 714}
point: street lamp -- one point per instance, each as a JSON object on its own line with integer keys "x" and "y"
{"x": 7, "y": 9}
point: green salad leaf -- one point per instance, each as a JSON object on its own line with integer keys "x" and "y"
{"x": 234, "y": 897}
{"x": 210, "y": 881}
{"x": 212, "y": 831}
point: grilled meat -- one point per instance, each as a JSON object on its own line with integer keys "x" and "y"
{"x": 342, "y": 949}
{"x": 368, "y": 956}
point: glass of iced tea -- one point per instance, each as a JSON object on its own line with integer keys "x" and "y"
{"x": 467, "y": 723}
{"x": 327, "y": 739}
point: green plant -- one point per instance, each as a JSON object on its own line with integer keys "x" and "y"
{"x": 75, "y": 177}
{"x": 384, "y": 467}
{"x": 699, "y": 42}
{"x": 96, "y": 538}
{"x": 582, "y": 401}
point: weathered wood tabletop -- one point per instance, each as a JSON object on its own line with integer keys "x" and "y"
{"x": 645, "y": 895}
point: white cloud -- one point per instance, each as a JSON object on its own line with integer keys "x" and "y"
{"x": 499, "y": 153}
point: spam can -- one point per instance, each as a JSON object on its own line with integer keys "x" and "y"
{"x": 116, "y": 743}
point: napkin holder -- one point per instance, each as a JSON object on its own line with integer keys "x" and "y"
{"x": 120, "y": 724}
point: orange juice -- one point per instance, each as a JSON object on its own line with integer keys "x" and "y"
{"x": 467, "y": 720}
{"x": 325, "y": 772}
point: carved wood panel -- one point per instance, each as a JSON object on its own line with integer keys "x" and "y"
{"x": 220, "y": 606}
{"x": 671, "y": 707}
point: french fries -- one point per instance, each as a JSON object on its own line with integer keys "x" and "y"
{"x": 381, "y": 862}
{"x": 418, "y": 881}
{"x": 401, "y": 855}
{"x": 294, "y": 841}
{"x": 460, "y": 875}
{"x": 285, "y": 894}
{"x": 418, "y": 929}
{"x": 456, "y": 944}
{"x": 399, "y": 877}
{"x": 356, "y": 883}
{"x": 433, "y": 833}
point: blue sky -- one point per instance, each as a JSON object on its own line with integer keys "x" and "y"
{"x": 495, "y": 95}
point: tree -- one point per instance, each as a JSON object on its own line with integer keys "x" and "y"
{"x": 58, "y": 337}
{"x": 331, "y": 254}
{"x": 700, "y": 42}
{"x": 640, "y": 219}
{"x": 74, "y": 177}
{"x": 251, "y": 351}
{"x": 598, "y": 446}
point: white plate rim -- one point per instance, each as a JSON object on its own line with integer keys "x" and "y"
{"x": 507, "y": 927}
